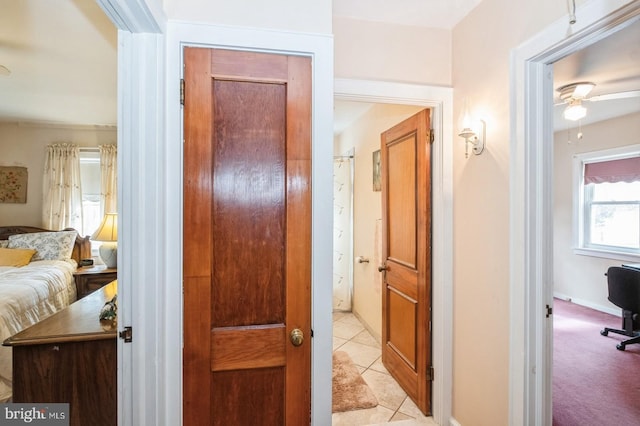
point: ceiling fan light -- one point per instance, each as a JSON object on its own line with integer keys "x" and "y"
{"x": 575, "y": 112}
{"x": 582, "y": 90}
{"x": 574, "y": 91}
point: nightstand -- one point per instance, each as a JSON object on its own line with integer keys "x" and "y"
{"x": 92, "y": 278}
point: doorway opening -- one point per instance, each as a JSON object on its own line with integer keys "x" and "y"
{"x": 359, "y": 333}
{"x": 531, "y": 231}
{"x": 580, "y": 305}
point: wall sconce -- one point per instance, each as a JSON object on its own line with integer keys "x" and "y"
{"x": 477, "y": 139}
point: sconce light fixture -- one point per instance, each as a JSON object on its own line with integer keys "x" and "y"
{"x": 475, "y": 138}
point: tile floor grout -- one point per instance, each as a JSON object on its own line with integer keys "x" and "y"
{"x": 352, "y": 337}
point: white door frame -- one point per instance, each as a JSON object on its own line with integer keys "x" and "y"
{"x": 440, "y": 99}
{"x": 320, "y": 48}
{"x": 531, "y": 195}
{"x": 144, "y": 392}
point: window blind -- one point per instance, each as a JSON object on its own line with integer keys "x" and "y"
{"x": 624, "y": 170}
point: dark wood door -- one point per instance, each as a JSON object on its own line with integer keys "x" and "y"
{"x": 406, "y": 300}
{"x": 247, "y": 238}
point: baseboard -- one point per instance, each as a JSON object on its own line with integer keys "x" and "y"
{"x": 454, "y": 422}
{"x": 613, "y": 311}
{"x": 373, "y": 333}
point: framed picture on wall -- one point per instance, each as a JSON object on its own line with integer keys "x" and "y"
{"x": 13, "y": 185}
{"x": 377, "y": 184}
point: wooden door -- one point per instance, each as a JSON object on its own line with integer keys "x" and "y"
{"x": 406, "y": 300}
{"x": 247, "y": 238}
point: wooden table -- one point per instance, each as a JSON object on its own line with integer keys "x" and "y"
{"x": 70, "y": 357}
{"x": 90, "y": 279}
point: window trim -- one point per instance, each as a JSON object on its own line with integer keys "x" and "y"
{"x": 579, "y": 161}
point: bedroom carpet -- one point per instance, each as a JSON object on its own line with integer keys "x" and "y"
{"x": 350, "y": 391}
{"x": 593, "y": 382}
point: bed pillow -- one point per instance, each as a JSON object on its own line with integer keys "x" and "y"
{"x": 48, "y": 245}
{"x": 4, "y": 243}
{"x": 15, "y": 257}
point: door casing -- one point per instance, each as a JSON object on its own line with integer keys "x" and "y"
{"x": 440, "y": 101}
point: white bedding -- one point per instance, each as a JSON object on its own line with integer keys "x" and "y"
{"x": 28, "y": 295}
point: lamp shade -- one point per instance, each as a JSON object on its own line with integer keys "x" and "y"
{"x": 108, "y": 229}
{"x": 575, "y": 112}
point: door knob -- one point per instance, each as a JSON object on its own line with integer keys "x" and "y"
{"x": 296, "y": 336}
{"x": 382, "y": 268}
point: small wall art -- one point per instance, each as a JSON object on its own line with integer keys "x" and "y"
{"x": 377, "y": 183}
{"x": 13, "y": 184}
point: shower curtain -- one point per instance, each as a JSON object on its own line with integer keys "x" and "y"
{"x": 342, "y": 236}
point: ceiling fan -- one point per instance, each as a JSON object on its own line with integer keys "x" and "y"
{"x": 574, "y": 94}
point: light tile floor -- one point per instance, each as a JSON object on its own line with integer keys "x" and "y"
{"x": 394, "y": 407}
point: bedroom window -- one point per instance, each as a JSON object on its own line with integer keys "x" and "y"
{"x": 608, "y": 203}
{"x": 90, "y": 179}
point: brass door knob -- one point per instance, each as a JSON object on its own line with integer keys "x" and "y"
{"x": 296, "y": 336}
{"x": 382, "y": 267}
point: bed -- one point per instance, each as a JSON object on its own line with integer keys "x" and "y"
{"x": 36, "y": 281}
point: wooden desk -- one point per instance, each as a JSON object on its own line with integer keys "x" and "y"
{"x": 70, "y": 357}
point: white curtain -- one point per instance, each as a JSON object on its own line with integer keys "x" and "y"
{"x": 108, "y": 179}
{"x": 342, "y": 244}
{"x": 62, "y": 192}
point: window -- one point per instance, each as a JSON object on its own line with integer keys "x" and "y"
{"x": 90, "y": 178}
{"x": 608, "y": 203}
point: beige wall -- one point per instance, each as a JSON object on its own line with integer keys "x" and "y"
{"x": 364, "y": 137}
{"x": 24, "y": 145}
{"x": 283, "y": 15}
{"x": 482, "y": 44}
{"x": 582, "y": 277}
{"x": 378, "y": 51}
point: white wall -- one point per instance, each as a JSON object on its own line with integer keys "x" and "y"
{"x": 24, "y": 144}
{"x": 364, "y": 136}
{"x": 579, "y": 277}
{"x": 387, "y": 52}
{"x": 289, "y": 15}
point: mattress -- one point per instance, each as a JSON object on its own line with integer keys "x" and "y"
{"x": 28, "y": 295}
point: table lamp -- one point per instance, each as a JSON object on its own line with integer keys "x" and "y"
{"x": 108, "y": 233}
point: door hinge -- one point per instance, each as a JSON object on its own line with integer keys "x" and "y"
{"x": 182, "y": 91}
{"x": 127, "y": 334}
{"x": 430, "y": 373}
{"x": 549, "y": 311}
{"x": 432, "y": 136}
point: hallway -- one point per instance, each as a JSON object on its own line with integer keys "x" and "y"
{"x": 394, "y": 407}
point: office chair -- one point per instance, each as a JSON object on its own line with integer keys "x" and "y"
{"x": 624, "y": 292}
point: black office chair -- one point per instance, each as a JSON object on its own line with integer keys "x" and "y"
{"x": 624, "y": 292}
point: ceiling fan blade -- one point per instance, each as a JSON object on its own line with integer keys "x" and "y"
{"x": 611, "y": 96}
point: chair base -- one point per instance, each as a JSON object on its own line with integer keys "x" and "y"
{"x": 635, "y": 337}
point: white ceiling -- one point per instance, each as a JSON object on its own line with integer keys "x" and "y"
{"x": 62, "y": 58}
{"x": 422, "y": 13}
{"x": 613, "y": 64}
